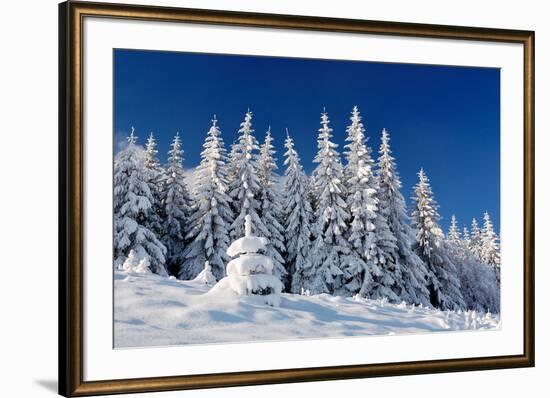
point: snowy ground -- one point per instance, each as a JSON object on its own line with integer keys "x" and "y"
{"x": 155, "y": 311}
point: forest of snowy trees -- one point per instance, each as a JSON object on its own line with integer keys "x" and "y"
{"x": 343, "y": 230}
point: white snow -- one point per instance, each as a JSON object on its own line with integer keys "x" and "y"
{"x": 154, "y": 311}
{"x": 136, "y": 263}
{"x": 205, "y": 276}
{"x": 250, "y": 264}
{"x": 246, "y": 244}
{"x": 235, "y": 286}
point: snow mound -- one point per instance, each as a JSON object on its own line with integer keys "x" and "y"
{"x": 206, "y": 277}
{"x": 266, "y": 287}
{"x": 136, "y": 263}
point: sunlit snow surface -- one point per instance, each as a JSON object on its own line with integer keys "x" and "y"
{"x": 156, "y": 311}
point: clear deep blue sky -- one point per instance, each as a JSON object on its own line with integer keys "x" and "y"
{"x": 444, "y": 119}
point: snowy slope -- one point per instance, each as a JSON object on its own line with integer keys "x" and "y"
{"x": 156, "y": 311}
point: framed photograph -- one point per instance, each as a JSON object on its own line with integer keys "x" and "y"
{"x": 253, "y": 199}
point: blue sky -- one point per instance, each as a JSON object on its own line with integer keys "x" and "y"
{"x": 444, "y": 119}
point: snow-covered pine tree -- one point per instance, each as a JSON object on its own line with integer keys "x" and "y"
{"x": 311, "y": 197}
{"x": 245, "y": 186}
{"x": 453, "y": 235}
{"x": 298, "y": 216}
{"x": 250, "y": 272}
{"x": 385, "y": 252}
{"x": 478, "y": 282}
{"x": 366, "y": 263}
{"x": 330, "y": 248}
{"x": 476, "y": 240}
{"x": 211, "y": 215}
{"x": 442, "y": 278}
{"x": 151, "y": 161}
{"x": 133, "y": 206}
{"x": 155, "y": 179}
{"x": 271, "y": 212}
{"x": 466, "y": 237}
{"x": 391, "y": 203}
{"x": 177, "y": 205}
{"x": 490, "y": 249}
{"x": 231, "y": 166}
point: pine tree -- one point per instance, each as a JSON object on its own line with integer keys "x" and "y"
{"x": 245, "y": 187}
{"x": 476, "y": 240}
{"x": 490, "y": 249}
{"x": 365, "y": 264}
{"x": 298, "y": 216}
{"x": 466, "y": 237}
{"x": 231, "y": 166}
{"x": 442, "y": 278}
{"x": 478, "y": 282}
{"x": 385, "y": 253}
{"x": 311, "y": 197}
{"x": 151, "y": 160}
{"x": 330, "y": 248}
{"x": 411, "y": 287}
{"x": 453, "y": 235}
{"x": 212, "y": 215}
{"x": 155, "y": 179}
{"x": 478, "y": 286}
{"x": 270, "y": 206}
{"x": 177, "y": 204}
{"x": 133, "y": 207}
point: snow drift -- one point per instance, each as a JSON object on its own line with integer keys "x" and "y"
{"x": 154, "y": 311}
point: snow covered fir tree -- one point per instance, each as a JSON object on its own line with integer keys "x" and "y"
{"x": 442, "y": 276}
{"x": 260, "y": 223}
{"x": 270, "y": 201}
{"x": 330, "y": 248}
{"x": 410, "y": 284}
{"x": 176, "y": 204}
{"x": 298, "y": 216}
{"x": 134, "y": 208}
{"x": 363, "y": 266}
{"x": 155, "y": 179}
{"x": 211, "y": 216}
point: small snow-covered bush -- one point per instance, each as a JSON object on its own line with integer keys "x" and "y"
{"x": 136, "y": 263}
{"x": 206, "y": 277}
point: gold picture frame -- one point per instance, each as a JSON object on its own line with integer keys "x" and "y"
{"x": 71, "y": 16}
